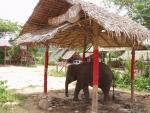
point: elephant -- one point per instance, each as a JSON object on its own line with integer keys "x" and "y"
{"x": 83, "y": 73}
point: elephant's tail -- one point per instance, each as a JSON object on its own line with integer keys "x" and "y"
{"x": 113, "y": 85}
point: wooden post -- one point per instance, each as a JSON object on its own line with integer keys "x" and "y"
{"x": 84, "y": 50}
{"x": 46, "y": 69}
{"x": 132, "y": 73}
{"x": 95, "y": 80}
{"x": 95, "y": 37}
{"x": 5, "y": 56}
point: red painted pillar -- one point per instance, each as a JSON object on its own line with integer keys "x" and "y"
{"x": 95, "y": 67}
{"x": 95, "y": 80}
{"x": 45, "y": 70}
{"x": 132, "y": 73}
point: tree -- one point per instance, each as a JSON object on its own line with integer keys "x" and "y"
{"x": 139, "y": 10}
{"x": 6, "y": 25}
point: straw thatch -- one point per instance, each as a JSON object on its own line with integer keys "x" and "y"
{"x": 4, "y": 43}
{"x": 109, "y": 29}
{"x": 68, "y": 55}
{"x": 56, "y": 55}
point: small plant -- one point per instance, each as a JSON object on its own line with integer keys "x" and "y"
{"x": 140, "y": 64}
{"x": 56, "y": 73}
{"x": 51, "y": 63}
{"x": 147, "y": 71}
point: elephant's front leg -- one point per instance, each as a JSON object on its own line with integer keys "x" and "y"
{"x": 86, "y": 93}
{"x": 76, "y": 92}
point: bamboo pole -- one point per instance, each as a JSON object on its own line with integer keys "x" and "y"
{"x": 45, "y": 70}
{"x": 132, "y": 73}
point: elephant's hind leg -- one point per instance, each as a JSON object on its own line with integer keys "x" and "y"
{"x": 76, "y": 92}
{"x": 86, "y": 93}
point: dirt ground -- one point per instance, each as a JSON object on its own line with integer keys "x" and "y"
{"x": 57, "y": 102}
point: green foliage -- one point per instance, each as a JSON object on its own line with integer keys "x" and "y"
{"x": 127, "y": 65}
{"x": 7, "y": 96}
{"x": 147, "y": 71}
{"x": 114, "y": 54}
{"x": 122, "y": 80}
{"x": 33, "y": 51}
{"x": 2, "y": 54}
{"x": 39, "y": 60}
{"x": 6, "y": 25}
{"x": 140, "y": 63}
{"x": 54, "y": 72}
{"x": 139, "y": 10}
{"x": 52, "y": 63}
{"x": 142, "y": 83}
{"x": 14, "y": 51}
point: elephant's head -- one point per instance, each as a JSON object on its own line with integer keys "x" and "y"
{"x": 70, "y": 76}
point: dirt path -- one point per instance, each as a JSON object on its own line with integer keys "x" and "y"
{"x": 25, "y": 78}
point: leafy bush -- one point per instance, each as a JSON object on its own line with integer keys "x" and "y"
{"x": 140, "y": 64}
{"x": 142, "y": 83}
{"x": 7, "y": 96}
{"x": 2, "y": 54}
{"x": 147, "y": 71}
{"x": 122, "y": 80}
{"x": 14, "y": 51}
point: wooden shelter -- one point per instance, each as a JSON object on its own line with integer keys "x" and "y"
{"x": 4, "y": 44}
{"x": 75, "y": 24}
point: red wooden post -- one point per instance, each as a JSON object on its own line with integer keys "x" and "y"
{"x": 45, "y": 70}
{"x": 95, "y": 80}
{"x": 132, "y": 73}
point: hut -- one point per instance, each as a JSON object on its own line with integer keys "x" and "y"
{"x": 5, "y": 45}
{"x": 56, "y": 55}
{"x": 76, "y": 24}
{"x": 70, "y": 56}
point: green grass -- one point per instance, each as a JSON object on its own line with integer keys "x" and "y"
{"x": 8, "y": 95}
{"x": 53, "y": 72}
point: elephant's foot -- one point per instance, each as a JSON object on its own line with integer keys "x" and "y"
{"x": 75, "y": 99}
{"x": 106, "y": 98}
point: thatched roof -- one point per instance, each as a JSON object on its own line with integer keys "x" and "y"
{"x": 4, "y": 43}
{"x": 68, "y": 55}
{"x": 112, "y": 30}
{"x": 55, "y": 56}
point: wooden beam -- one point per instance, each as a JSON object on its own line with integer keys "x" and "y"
{"x": 46, "y": 69}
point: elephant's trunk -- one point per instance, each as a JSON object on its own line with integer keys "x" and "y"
{"x": 66, "y": 87}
